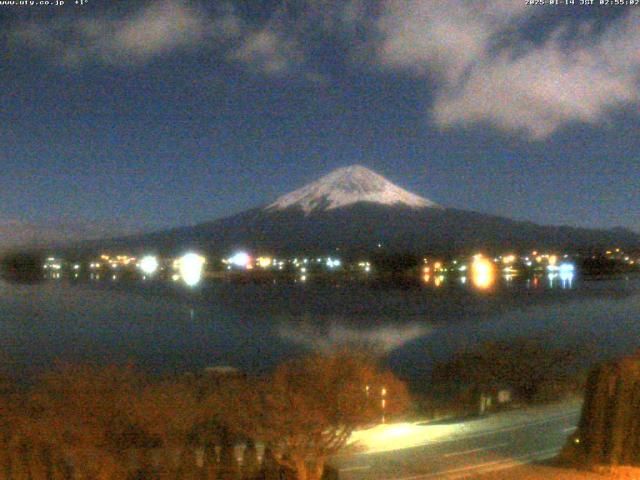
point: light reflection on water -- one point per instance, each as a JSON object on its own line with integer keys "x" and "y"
{"x": 485, "y": 278}
{"x": 165, "y": 328}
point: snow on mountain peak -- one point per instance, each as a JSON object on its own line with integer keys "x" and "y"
{"x": 346, "y": 186}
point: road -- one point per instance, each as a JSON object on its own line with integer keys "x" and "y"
{"x": 460, "y": 449}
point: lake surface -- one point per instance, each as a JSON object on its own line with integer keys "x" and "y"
{"x": 167, "y": 328}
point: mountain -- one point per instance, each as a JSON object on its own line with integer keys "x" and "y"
{"x": 348, "y": 186}
{"x": 353, "y": 209}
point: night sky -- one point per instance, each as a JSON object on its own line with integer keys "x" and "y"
{"x": 120, "y": 117}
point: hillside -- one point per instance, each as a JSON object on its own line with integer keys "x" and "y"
{"x": 356, "y": 210}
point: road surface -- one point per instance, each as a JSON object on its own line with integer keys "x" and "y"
{"x": 460, "y": 449}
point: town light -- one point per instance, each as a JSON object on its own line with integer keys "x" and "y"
{"x": 149, "y": 264}
{"x": 482, "y": 273}
{"x": 383, "y": 403}
{"x": 566, "y": 273}
{"x": 509, "y": 259}
{"x": 333, "y": 263}
{"x": 240, "y": 259}
{"x": 264, "y": 262}
{"x": 191, "y": 267}
{"x": 567, "y": 267}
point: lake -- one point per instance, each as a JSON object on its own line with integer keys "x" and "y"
{"x": 162, "y": 327}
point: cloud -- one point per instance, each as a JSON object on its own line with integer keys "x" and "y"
{"x": 444, "y": 38}
{"x": 474, "y": 55}
{"x": 539, "y": 92}
{"x": 18, "y": 233}
{"x": 282, "y": 44}
{"x": 164, "y": 27}
{"x": 276, "y": 45}
{"x": 333, "y": 17}
{"x": 15, "y": 233}
{"x": 157, "y": 29}
{"x": 485, "y": 73}
{"x": 268, "y": 51}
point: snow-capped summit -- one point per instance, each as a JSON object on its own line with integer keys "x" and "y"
{"x": 346, "y": 186}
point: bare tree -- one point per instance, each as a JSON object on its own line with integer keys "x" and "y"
{"x": 309, "y": 407}
{"x": 84, "y": 422}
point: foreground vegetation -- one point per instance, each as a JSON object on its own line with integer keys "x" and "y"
{"x": 608, "y": 432}
{"x": 528, "y": 369}
{"x": 83, "y": 422}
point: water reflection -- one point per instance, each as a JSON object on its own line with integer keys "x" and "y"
{"x": 335, "y": 334}
{"x": 562, "y": 279}
{"x": 169, "y": 328}
{"x": 489, "y": 275}
{"x": 567, "y": 272}
{"x": 567, "y": 280}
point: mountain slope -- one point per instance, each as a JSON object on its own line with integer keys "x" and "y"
{"x": 356, "y": 210}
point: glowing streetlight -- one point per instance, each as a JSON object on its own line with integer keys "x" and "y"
{"x": 149, "y": 264}
{"x": 333, "y": 263}
{"x": 191, "y": 266}
{"x": 383, "y": 402}
{"x": 508, "y": 259}
{"x": 482, "y": 273}
{"x": 240, "y": 259}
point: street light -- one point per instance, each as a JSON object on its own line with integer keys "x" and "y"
{"x": 149, "y": 264}
{"x": 383, "y": 394}
{"x": 191, "y": 268}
